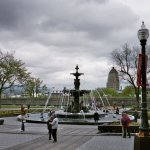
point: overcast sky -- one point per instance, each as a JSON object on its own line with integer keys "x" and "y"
{"x": 53, "y": 36}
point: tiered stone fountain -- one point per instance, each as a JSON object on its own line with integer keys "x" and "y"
{"x": 76, "y": 113}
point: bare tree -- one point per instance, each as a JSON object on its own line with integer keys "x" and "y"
{"x": 126, "y": 60}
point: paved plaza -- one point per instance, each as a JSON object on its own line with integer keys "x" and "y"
{"x": 70, "y": 137}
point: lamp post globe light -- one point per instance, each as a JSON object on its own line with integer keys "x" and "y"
{"x": 142, "y": 139}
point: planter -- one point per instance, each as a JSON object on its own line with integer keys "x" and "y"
{"x": 116, "y": 128}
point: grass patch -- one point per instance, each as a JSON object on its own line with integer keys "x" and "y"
{"x": 16, "y": 110}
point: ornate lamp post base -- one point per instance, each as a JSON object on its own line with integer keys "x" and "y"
{"x": 141, "y": 142}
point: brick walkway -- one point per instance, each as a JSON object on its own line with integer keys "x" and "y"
{"x": 70, "y": 137}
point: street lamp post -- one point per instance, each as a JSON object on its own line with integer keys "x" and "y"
{"x": 143, "y": 34}
{"x": 142, "y": 139}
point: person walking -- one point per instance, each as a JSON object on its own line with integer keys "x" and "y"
{"x": 96, "y": 117}
{"x": 23, "y": 113}
{"x": 117, "y": 111}
{"x": 136, "y": 115}
{"x": 54, "y": 127}
{"x": 125, "y": 121}
{"x": 49, "y": 126}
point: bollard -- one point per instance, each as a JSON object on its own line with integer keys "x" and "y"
{"x": 22, "y": 126}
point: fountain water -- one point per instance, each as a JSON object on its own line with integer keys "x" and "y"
{"x": 100, "y": 97}
{"x": 105, "y": 97}
{"x": 77, "y": 112}
{"x": 47, "y": 101}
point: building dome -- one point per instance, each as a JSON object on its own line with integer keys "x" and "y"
{"x": 113, "y": 79}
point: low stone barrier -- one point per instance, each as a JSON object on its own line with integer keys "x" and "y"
{"x": 117, "y": 128}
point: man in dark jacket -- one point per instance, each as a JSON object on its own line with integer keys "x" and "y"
{"x": 96, "y": 117}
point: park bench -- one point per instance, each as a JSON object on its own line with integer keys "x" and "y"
{"x": 116, "y": 128}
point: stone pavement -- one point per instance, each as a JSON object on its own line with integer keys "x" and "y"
{"x": 70, "y": 137}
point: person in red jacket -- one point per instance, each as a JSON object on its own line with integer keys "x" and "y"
{"x": 23, "y": 113}
{"x": 125, "y": 121}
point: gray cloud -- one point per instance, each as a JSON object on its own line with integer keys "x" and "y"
{"x": 52, "y": 36}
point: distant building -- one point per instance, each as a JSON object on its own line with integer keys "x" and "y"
{"x": 113, "y": 79}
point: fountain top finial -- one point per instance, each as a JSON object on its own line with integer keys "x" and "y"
{"x": 77, "y": 68}
{"x": 143, "y": 25}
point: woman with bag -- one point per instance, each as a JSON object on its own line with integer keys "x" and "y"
{"x": 54, "y": 127}
{"x": 49, "y": 126}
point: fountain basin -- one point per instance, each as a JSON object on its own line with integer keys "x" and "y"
{"x": 74, "y": 118}
{"x": 82, "y": 116}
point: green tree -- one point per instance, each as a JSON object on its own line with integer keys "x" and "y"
{"x": 110, "y": 92}
{"x": 12, "y": 71}
{"x": 29, "y": 87}
{"x": 38, "y": 84}
{"x": 44, "y": 90}
{"x": 33, "y": 86}
{"x": 107, "y": 91}
{"x": 128, "y": 91}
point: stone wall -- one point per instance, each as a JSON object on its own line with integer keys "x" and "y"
{"x": 58, "y": 101}
{"x": 34, "y": 102}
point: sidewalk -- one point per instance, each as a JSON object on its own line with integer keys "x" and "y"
{"x": 70, "y": 137}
